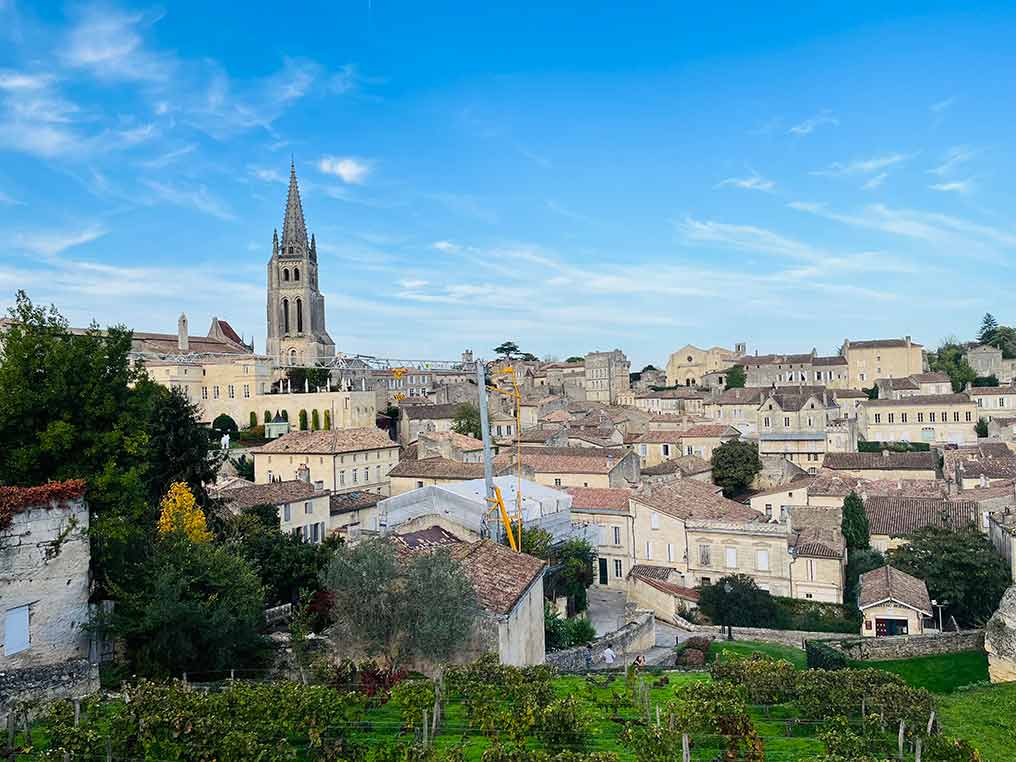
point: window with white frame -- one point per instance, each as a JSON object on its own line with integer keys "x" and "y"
{"x": 666, "y": 450}
{"x": 812, "y": 572}
{"x": 215, "y": 392}
{"x": 649, "y": 551}
{"x": 670, "y": 553}
{"x": 231, "y": 392}
{"x": 654, "y": 520}
{"x": 618, "y": 568}
{"x": 730, "y": 558}
{"x": 762, "y": 559}
{"x": 307, "y": 508}
{"x": 643, "y": 450}
{"x": 617, "y": 535}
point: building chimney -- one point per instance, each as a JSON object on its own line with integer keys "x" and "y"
{"x": 303, "y": 473}
{"x": 885, "y": 454}
{"x": 182, "y": 339}
{"x": 907, "y": 339}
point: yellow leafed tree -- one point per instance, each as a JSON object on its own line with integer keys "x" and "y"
{"x": 180, "y": 511}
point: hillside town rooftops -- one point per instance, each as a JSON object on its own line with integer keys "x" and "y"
{"x": 659, "y": 577}
{"x": 689, "y": 499}
{"x": 881, "y": 461}
{"x": 686, "y": 465}
{"x": 896, "y": 516}
{"x": 431, "y": 412}
{"x": 348, "y": 502}
{"x": 436, "y": 468}
{"x": 327, "y": 442}
{"x": 273, "y": 493}
{"x": 882, "y": 344}
{"x": 599, "y": 499}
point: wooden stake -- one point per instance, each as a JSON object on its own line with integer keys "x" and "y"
{"x": 77, "y": 712}
{"x": 899, "y": 740}
{"x": 685, "y": 748}
{"x": 917, "y": 750}
{"x": 11, "y": 728}
{"x": 109, "y": 749}
{"x": 425, "y": 728}
{"x": 931, "y": 721}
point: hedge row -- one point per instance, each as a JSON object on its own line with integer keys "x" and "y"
{"x": 893, "y": 446}
{"x": 821, "y": 655}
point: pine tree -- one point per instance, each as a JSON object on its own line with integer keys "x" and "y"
{"x": 180, "y": 512}
{"x": 855, "y": 523}
{"x": 988, "y": 327}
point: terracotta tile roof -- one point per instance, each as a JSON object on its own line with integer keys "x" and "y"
{"x": 538, "y": 435}
{"x": 431, "y": 412}
{"x": 792, "y": 400}
{"x": 707, "y": 430}
{"x": 661, "y": 436}
{"x": 600, "y": 439}
{"x": 596, "y": 498}
{"x": 790, "y": 486}
{"x": 888, "y": 583}
{"x": 989, "y": 391}
{"x": 168, "y": 343}
{"x": 931, "y": 378}
{"x": 689, "y": 499}
{"x": 228, "y": 332}
{"x": 557, "y": 416}
{"x": 328, "y": 442}
{"x": 437, "y": 468}
{"x": 880, "y": 344}
{"x": 881, "y": 461}
{"x": 681, "y": 393}
{"x": 834, "y": 484}
{"x": 776, "y": 359}
{"x": 901, "y": 516}
{"x": 678, "y": 418}
{"x": 578, "y": 460}
{"x": 686, "y": 465}
{"x": 499, "y": 575}
{"x": 899, "y": 384}
{"x": 849, "y": 393}
{"x": 275, "y": 493}
{"x": 989, "y": 468}
{"x": 746, "y": 396}
{"x": 657, "y": 576}
{"x": 352, "y": 501}
{"x": 1000, "y": 489}
{"x": 818, "y": 542}
{"x": 922, "y": 400}
{"x": 833, "y": 360}
{"x": 460, "y": 441}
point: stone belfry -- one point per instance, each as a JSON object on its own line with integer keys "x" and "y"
{"x": 296, "y": 308}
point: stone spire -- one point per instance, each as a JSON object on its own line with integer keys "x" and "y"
{"x": 313, "y": 248}
{"x": 294, "y": 230}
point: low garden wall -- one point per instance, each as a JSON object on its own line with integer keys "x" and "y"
{"x": 794, "y": 638}
{"x": 907, "y": 646}
{"x": 636, "y": 636}
{"x": 70, "y": 679}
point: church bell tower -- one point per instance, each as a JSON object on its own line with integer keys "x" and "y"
{"x": 296, "y": 308}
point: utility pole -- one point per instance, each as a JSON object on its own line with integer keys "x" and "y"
{"x": 488, "y": 464}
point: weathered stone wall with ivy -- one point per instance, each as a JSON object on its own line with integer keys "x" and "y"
{"x": 908, "y": 646}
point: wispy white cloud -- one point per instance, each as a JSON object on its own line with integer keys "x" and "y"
{"x": 198, "y": 199}
{"x": 864, "y": 166}
{"x": 110, "y": 44}
{"x": 953, "y": 158}
{"x": 18, "y": 80}
{"x": 412, "y": 284}
{"x": 53, "y": 242}
{"x": 955, "y": 186}
{"x": 350, "y": 169}
{"x": 943, "y": 105}
{"x": 752, "y": 182}
{"x": 808, "y": 126}
{"x": 170, "y": 157}
{"x": 446, "y": 246}
{"x": 744, "y": 238}
{"x": 876, "y": 181}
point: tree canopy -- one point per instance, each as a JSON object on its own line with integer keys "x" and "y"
{"x": 988, "y": 327}
{"x": 467, "y": 420}
{"x": 745, "y": 604}
{"x": 576, "y": 358}
{"x": 736, "y": 378}
{"x": 302, "y": 379}
{"x": 507, "y": 349}
{"x": 960, "y": 568}
{"x": 948, "y": 359}
{"x": 855, "y": 523}
{"x": 735, "y": 465}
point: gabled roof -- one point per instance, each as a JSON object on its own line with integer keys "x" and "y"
{"x": 686, "y": 465}
{"x": 690, "y": 499}
{"x": 352, "y": 501}
{"x": 274, "y": 493}
{"x": 500, "y": 576}
{"x": 459, "y": 441}
{"x": 327, "y": 442}
{"x": 900, "y": 516}
{"x": 437, "y": 468}
{"x": 991, "y": 391}
{"x": 881, "y": 461}
{"x": 658, "y": 576}
{"x": 899, "y": 384}
{"x": 796, "y": 484}
{"x": 596, "y": 498}
{"x": 744, "y": 396}
{"x": 829, "y": 483}
{"x": 890, "y": 584}
{"x": 931, "y": 378}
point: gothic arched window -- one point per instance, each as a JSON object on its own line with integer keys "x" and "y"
{"x": 285, "y": 273}
{"x": 299, "y": 316}
{"x": 292, "y": 357}
{"x": 285, "y": 315}
{"x": 296, "y": 273}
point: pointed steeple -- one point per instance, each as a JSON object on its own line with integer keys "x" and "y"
{"x": 313, "y": 248}
{"x": 294, "y": 230}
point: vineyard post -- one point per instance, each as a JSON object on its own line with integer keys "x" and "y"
{"x": 899, "y": 740}
{"x": 109, "y": 749}
{"x": 931, "y": 721}
{"x": 77, "y": 712}
{"x": 685, "y": 748}
{"x": 11, "y": 727}
{"x": 917, "y": 750}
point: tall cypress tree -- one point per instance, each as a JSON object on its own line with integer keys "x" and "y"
{"x": 855, "y": 523}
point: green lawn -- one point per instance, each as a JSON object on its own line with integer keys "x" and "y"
{"x": 745, "y": 648}
{"x": 986, "y": 716}
{"x": 939, "y": 674}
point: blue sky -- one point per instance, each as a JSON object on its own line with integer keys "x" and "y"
{"x": 570, "y": 176}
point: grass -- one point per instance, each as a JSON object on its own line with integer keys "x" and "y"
{"x": 984, "y": 716}
{"x": 795, "y": 656}
{"x": 943, "y": 673}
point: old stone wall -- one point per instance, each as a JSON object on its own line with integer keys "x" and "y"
{"x": 908, "y": 646}
{"x": 638, "y": 635}
{"x": 70, "y": 679}
{"x": 794, "y": 638}
{"x": 1000, "y": 640}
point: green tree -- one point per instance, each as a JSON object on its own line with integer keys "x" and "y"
{"x": 195, "y": 607}
{"x": 285, "y": 565}
{"x": 253, "y": 419}
{"x": 537, "y": 543}
{"x": 991, "y": 380}
{"x": 855, "y": 523}
{"x": 467, "y": 420}
{"x": 268, "y": 416}
{"x": 328, "y": 420}
{"x": 960, "y": 568}
{"x": 400, "y": 609}
{"x": 737, "y": 600}
{"x": 303, "y": 420}
{"x": 1005, "y": 339}
{"x": 988, "y": 327}
{"x": 735, "y": 465}
{"x": 507, "y": 349}
{"x": 244, "y": 467}
{"x": 315, "y": 420}
{"x": 948, "y": 359}
{"x": 736, "y": 377}
{"x": 572, "y": 562}
{"x": 576, "y": 358}
{"x": 529, "y": 357}
{"x": 74, "y": 407}
{"x": 981, "y": 427}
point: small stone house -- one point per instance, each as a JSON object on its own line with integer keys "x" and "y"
{"x": 303, "y": 508}
{"x": 892, "y": 603}
{"x": 44, "y": 584}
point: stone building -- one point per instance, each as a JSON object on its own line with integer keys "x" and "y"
{"x": 936, "y": 419}
{"x": 785, "y": 370}
{"x": 987, "y": 360}
{"x": 44, "y": 587}
{"x": 994, "y": 401}
{"x": 689, "y": 365}
{"x": 892, "y": 603}
{"x": 868, "y": 361}
{"x": 296, "y": 307}
{"x": 303, "y": 509}
{"x": 606, "y": 376}
{"x": 608, "y": 510}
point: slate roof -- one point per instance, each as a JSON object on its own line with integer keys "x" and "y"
{"x": 888, "y": 583}
{"x": 599, "y": 498}
{"x": 274, "y": 493}
{"x": 900, "y": 516}
{"x": 352, "y": 501}
{"x": 437, "y": 468}
{"x": 881, "y": 461}
{"x": 690, "y": 499}
{"x": 327, "y": 442}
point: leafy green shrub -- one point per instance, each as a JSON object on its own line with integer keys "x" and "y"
{"x": 303, "y": 420}
{"x": 863, "y": 446}
{"x": 580, "y": 631}
{"x": 412, "y": 698}
{"x": 947, "y": 749}
{"x": 767, "y": 681}
{"x": 564, "y": 723}
{"x": 821, "y": 655}
{"x": 845, "y": 692}
{"x": 315, "y": 420}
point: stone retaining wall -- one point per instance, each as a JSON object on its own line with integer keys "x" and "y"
{"x": 636, "y": 636}
{"x": 908, "y": 646}
{"x": 69, "y": 679}
{"x": 794, "y": 638}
